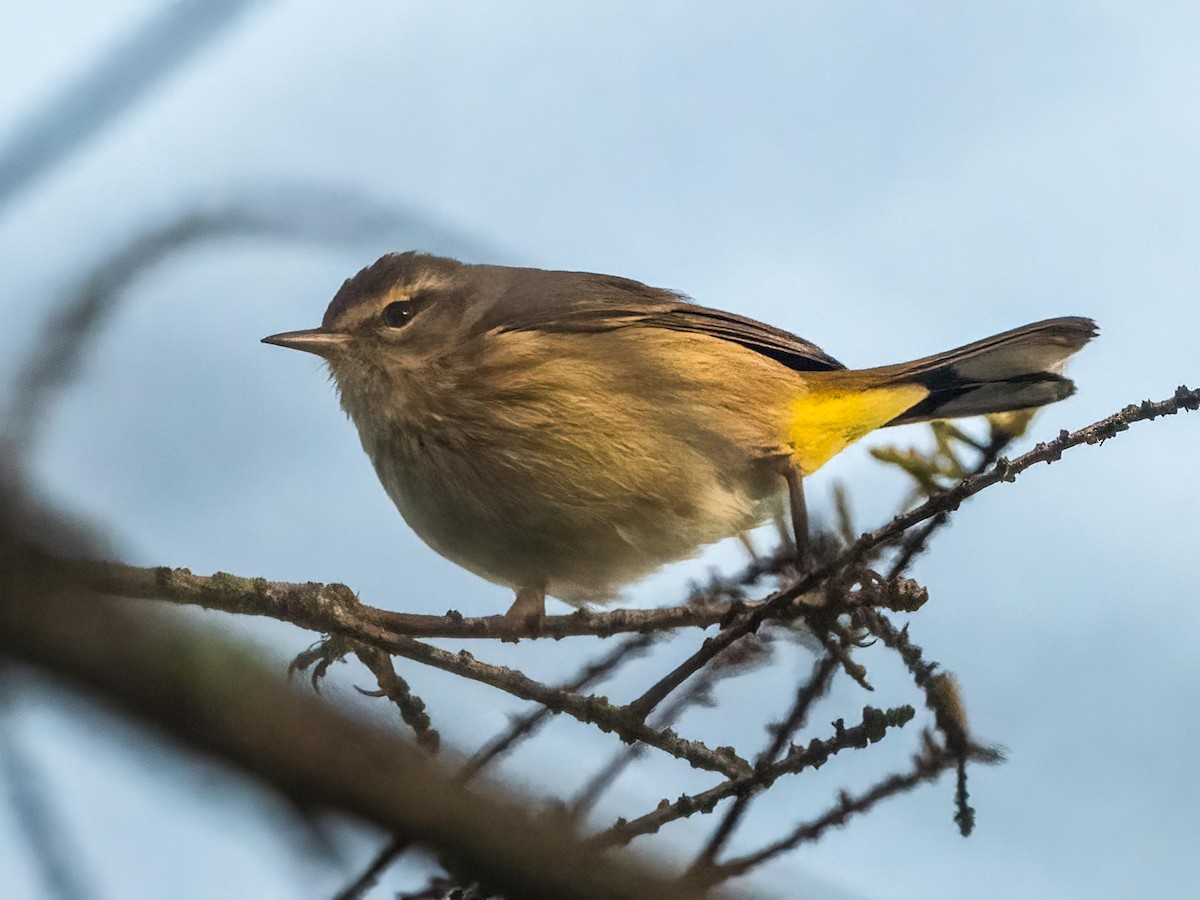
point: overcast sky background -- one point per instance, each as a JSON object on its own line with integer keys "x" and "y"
{"x": 884, "y": 181}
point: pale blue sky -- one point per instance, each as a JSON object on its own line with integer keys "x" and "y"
{"x": 884, "y": 179}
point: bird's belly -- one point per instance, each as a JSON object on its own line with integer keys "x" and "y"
{"x": 520, "y": 513}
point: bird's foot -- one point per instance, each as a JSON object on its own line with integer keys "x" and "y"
{"x": 524, "y": 618}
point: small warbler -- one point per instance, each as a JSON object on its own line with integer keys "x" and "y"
{"x": 565, "y": 433}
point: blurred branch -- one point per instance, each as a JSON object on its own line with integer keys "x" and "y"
{"x": 334, "y": 609}
{"x": 213, "y": 697}
{"x": 51, "y": 846}
{"x": 287, "y": 211}
{"x": 521, "y": 728}
{"x": 98, "y": 96}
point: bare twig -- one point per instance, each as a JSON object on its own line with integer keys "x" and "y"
{"x": 525, "y": 725}
{"x": 334, "y": 608}
{"x": 875, "y": 724}
{"x": 521, "y": 728}
{"x": 926, "y": 767}
{"x": 915, "y": 543}
{"x": 1003, "y": 470}
{"x": 591, "y": 709}
{"x": 942, "y": 697}
{"x": 216, "y": 699}
{"x": 809, "y": 691}
{"x": 595, "y": 786}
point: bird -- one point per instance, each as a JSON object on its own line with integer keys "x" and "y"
{"x": 567, "y": 433}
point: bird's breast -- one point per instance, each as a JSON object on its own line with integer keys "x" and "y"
{"x": 582, "y": 465}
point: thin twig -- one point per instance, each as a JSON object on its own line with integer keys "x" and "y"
{"x": 915, "y": 543}
{"x": 334, "y": 608}
{"x": 948, "y": 501}
{"x": 809, "y": 690}
{"x": 215, "y": 698}
{"x": 942, "y": 696}
{"x": 595, "y": 787}
{"x": 588, "y": 709}
{"x": 927, "y": 766}
{"x": 750, "y": 654}
{"x": 872, "y": 729}
{"x": 520, "y": 729}
{"x": 525, "y": 725}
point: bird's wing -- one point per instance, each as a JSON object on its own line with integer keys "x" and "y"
{"x": 590, "y": 303}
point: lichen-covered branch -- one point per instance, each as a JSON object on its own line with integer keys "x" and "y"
{"x": 213, "y": 697}
{"x": 334, "y": 608}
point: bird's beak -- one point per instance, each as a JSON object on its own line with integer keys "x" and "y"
{"x": 311, "y": 340}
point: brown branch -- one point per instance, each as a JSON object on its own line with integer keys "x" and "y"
{"x": 520, "y": 729}
{"x": 334, "y": 608}
{"x": 527, "y": 724}
{"x": 875, "y": 724}
{"x": 942, "y": 696}
{"x": 931, "y": 763}
{"x": 216, "y": 699}
{"x": 698, "y": 692}
{"x": 588, "y": 709}
{"x": 808, "y": 692}
{"x": 915, "y": 544}
{"x": 946, "y": 502}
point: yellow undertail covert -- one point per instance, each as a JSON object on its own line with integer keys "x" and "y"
{"x": 828, "y": 419}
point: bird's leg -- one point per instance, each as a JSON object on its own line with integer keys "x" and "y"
{"x": 795, "y": 483}
{"x": 526, "y": 614}
{"x": 748, "y": 543}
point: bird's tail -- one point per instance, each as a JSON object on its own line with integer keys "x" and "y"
{"x": 1016, "y": 369}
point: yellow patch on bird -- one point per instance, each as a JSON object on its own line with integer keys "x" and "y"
{"x": 828, "y": 419}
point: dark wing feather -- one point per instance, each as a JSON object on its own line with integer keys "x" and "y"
{"x": 582, "y": 302}
{"x": 775, "y": 343}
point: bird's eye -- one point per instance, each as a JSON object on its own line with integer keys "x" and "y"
{"x": 398, "y": 314}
